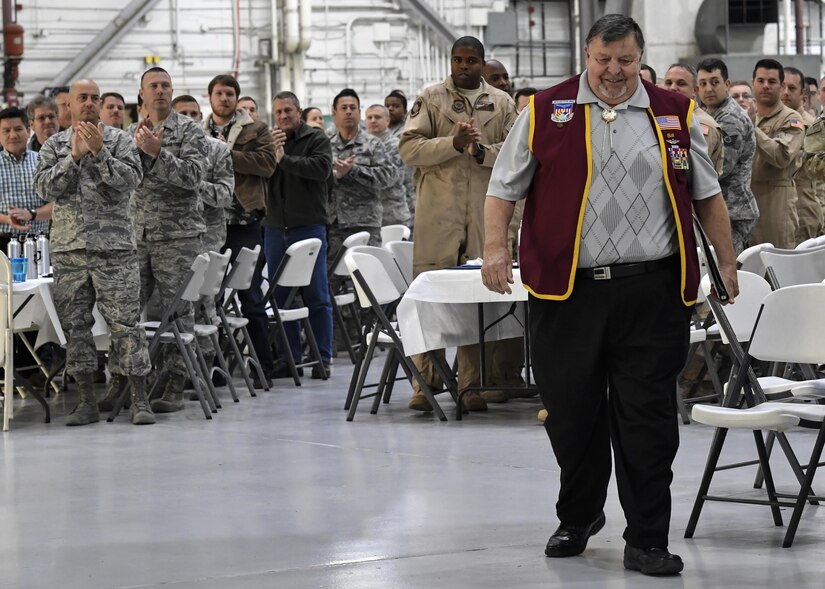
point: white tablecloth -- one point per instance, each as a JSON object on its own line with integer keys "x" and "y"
{"x": 440, "y": 310}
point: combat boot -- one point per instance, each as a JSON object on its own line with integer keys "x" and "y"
{"x": 172, "y": 399}
{"x": 141, "y": 412}
{"x": 474, "y": 402}
{"x": 113, "y": 390}
{"x": 86, "y": 411}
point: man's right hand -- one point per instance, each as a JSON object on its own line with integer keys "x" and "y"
{"x": 465, "y": 134}
{"x": 497, "y": 269}
{"x": 79, "y": 146}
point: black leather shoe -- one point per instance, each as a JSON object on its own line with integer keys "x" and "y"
{"x": 572, "y": 540}
{"x": 316, "y": 371}
{"x": 652, "y": 561}
{"x": 281, "y": 370}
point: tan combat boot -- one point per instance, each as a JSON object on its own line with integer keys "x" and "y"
{"x": 86, "y": 410}
{"x": 141, "y": 412}
{"x": 113, "y": 390}
{"x": 172, "y": 399}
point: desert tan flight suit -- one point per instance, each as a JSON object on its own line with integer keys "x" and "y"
{"x": 778, "y": 156}
{"x": 808, "y": 207}
{"x": 713, "y": 135}
{"x": 451, "y": 187}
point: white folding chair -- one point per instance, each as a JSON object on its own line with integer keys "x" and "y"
{"x": 394, "y": 233}
{"x": 294, "y": 273}
{"x": 792, "y": 267}
{"x": 234, "y": 324}
{"x": 749, "y": 260}
{"x": 342, "y": 297}
{"x": 211, "y": 288}
{"x": 376, "y": 290}
{"x": 7, "y": 338}
{"x": 403, "y": 252}
{"x": 790, "y": 328}
{"x": 812, "y": 242}
{"x": 169, "y": 331}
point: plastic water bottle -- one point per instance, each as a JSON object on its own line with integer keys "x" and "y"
{"x": 44, "y": 262}
{"x": 30, "y": 253}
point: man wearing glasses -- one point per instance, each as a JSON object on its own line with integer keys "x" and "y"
{"x": 42, "y": 113}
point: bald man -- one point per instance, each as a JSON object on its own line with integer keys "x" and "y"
{"x": 89, "y": 172}
{"x": 495, "y": 74}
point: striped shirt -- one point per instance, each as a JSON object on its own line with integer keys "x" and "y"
{"x": 17, "y": 190}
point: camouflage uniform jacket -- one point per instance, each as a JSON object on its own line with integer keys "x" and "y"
{"x": 217, "y": 185}
{"x": 91, "y": 197}
{"x": 167, "y": 203}
{"x": 358, "y": 194}
{"x": 396, "y": 210}
{"x": 740, "y": 146}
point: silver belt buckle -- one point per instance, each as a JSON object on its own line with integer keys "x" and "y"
{"x": 602, "y": 273}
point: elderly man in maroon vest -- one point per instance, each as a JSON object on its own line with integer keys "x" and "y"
{"x": 611, "y": 168}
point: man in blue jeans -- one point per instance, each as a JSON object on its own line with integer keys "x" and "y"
{"x": 297, "y": 208}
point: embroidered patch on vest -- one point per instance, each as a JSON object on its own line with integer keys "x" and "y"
{"x": 669, "y": 122}
{"x": 562, "y": 111}
{"x": 678, "y": 157}
{"x": 459, "y": 106}
{"x": 797, "y": 123}
{"x": 488, "y": 106}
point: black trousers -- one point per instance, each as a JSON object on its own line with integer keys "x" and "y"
{"x": 252, "y": 300}
{"x": 606, "y": 362}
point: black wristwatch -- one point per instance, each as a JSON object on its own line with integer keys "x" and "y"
{"x": 33, "y": 213}
{"x": 480, "y": 149}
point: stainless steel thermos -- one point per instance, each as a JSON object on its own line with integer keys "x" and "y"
{"x": 44, "y": 261}
{"x": 13, "y": 249}
{"x": 30, "y": 252}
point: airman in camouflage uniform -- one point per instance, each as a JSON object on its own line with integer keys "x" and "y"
{"x": 89, "y": 172}
{"x": 814, "y": 158}
{"x": 740, "y": 146}
{"x": 396, "y": 211}
{"x": 216, "y": 191}
{"x": 362, "y": 170}
{"x": 168, "y": 211}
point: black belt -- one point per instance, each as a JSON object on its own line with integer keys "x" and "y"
{"x": 625, "y": 270}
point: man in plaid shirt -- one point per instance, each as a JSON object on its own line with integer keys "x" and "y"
{"x": 22, "y": 211}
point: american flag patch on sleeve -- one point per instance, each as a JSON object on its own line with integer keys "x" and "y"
{"x": 797, "y": 123}
{"x": 669, "y": 122}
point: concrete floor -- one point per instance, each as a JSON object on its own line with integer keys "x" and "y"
{"x": 281, "y": 492}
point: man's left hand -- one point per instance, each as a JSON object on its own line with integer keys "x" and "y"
{"x": 343, "y": 167}
{"x": 20, "y": 219}
{"x": 92, "y": 135}
{"x": 148, "y": 142}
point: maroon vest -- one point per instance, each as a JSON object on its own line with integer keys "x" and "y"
{"x": 556, "y": 202}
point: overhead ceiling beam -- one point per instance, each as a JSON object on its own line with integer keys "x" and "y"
{"x": 103, "y": 41}
{"x": 433, "y": 20}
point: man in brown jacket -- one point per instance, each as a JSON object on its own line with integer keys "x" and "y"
{"x": 808, "y": 207}
{"x": 452, "y": 135}
{"x": 253, "y": 158}
{"x": 779, "y": 134}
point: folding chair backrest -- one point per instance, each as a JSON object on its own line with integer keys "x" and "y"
{"x": 394, "y": 233}
{"x": 812, "y": 242}
{"x": 191, "y": 291}
{"x": 749, "y": 260}
{"x": 215, "y": 273}
{"x": 298, "y": 263}
{"x": 356, "y": 239}
{"x": 743, "y": 312}
{"x": 390, "y": 266}
{"x": 374, "y": 276}
{"x": 243, "y": 269}
{"x": 791, "y": 326}
{"x": 403, "y": 253}
{"x": 792, "y": 267}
